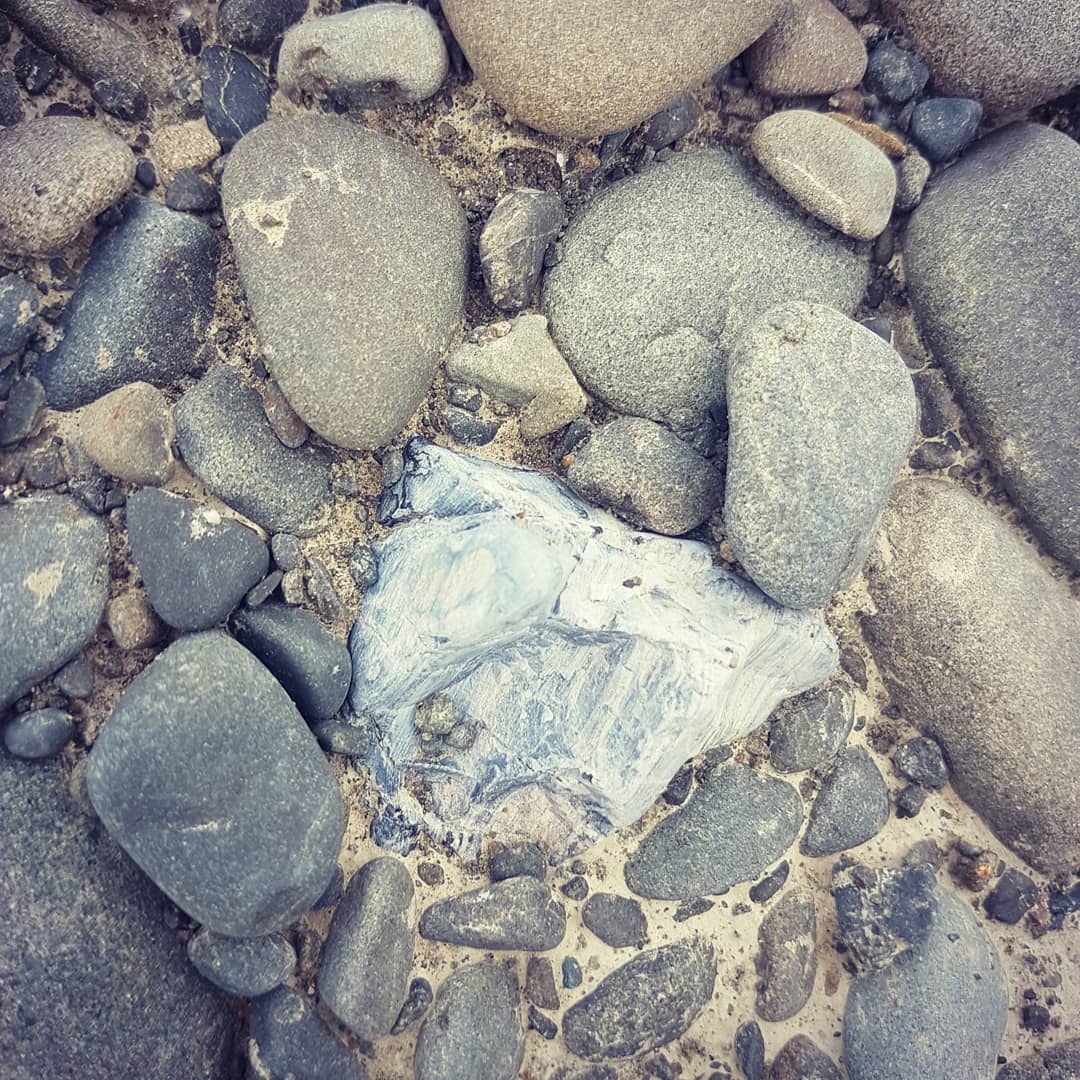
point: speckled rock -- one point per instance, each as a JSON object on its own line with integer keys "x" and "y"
{"x": 514, "y": 241}
{"x": 18, "y": 311}
{"x": 944, "y": 126}
{"x": 851, "y": 806}
{"x": 617, "y": 921}
{"x": 807, "y": 730}
{"x": 244, "y": 967}
{"x": 252, "y": 25}
{"x": 128, "y": 433}
{"x": 800, "y": 1059}
{"x": 787, "y": 956}
{"x": 40, "y": 733}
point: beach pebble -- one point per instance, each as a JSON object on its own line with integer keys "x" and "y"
{"x": 671, "y": 124}
{"x": 516, "y": 236}
{"x": 244, "y": 967}
{"x": 750, "y": 1050}
{"x": 189, "y": 191}
{"x": 895, "y": 74}
{"x": 808, "y": 730}
{"x": 540, "y": 983}
{"x": 800, "y": 1059}
{"x": 23, "y": 411}
{"x": 131, "y": 620}
{"x": 617, "y": 921}
{"x": 253, "y": 25}
{"x": 235, "y": 94}
{"x": 920, "y": 760}
{"x": 11, "y": 106}
{"x": 42, "y": 733}
{"x": 128, "y": 433}
{"x": 75, "y": 679}
{"x": 518, "y": 860}
{"x": 787, "y": 957}
{"x": 1011, "y": 898}
{"x": 851, "y": 806}
{"x": 943, "y": 127}
{"x": 417, "y": 1002}
{"x": 912, "y": 172}
{"x": 18, "y": 310}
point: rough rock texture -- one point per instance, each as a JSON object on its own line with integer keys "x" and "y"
{"x": 851, "y": 806}
{"x": 1060, "y": 1062}
{"x": 514, "y": 241}
{"x": 809, "y": 729}
{"x": 253, "y": 25}
{"x": 353, "y": 353}
{"x": 18, "y": 310}
{"x": 787, "y": 956}
{"x": 800, "y": 1059}
{"x": 617, "y": 921}
{"x": 129, "y": 432}
{"x": 660, "y": 275}
{"x": 988, "y": 258}
{"x": 976, "y": 642}
{"x": 245, "y": 967}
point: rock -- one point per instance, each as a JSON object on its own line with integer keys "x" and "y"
{"x": 678, "y": 789}
{"x": 659, "y": 278}
{"x": 11, "y": 109}
{"x": 770, "y": 885}
{"x": 244, "y": 967}
{"x": 128, "y": 433}
{"x": 645, "y": 474}
{"x": 1014, "y": 895}
{"x": 285, "y": 549}
{"x": 23, "y": 411}
{"x": 34, "y": 69}
{"x": 518, "y": 913}
{"x": 787, "y": 956}
{"x": 474, "y": 1027}
{"x": 577, "y": 888}
{"x": 468, "y": 430}
{"x": 288, "y": 427}
{"x": 813, "y": 449}
{"x": 920, "y": 759}
{"x": 18, "y": 311}
{"x": 235, "y": 94}
{"x": 749, "y": 1049}
{"x": 976, "y": 641}
{"x": 196, "y": 565}
{"x": 76, "y": 679}
{"x": 835, "y": 173}
{"x": 644, "y": 1004}
{"x": 540, "y": 983}
{"x": 736, "y": 823}
{"x": 225, "y": 439}
{"x": 122, "y": 97}
{"x": 99, "y": 987}
{"x": 141, "y": 310}
{"x": 341, "y": 737}
{"x": 363, "y": 566}
{"x": 375, "y": 55}
{"x": 598, "y": 67}
{"x": 571, "y": 973}
{"x": 538, "y": 1022}
{"x": 189, "y": 191}
{"x": 911, "y": 176}
{"x": 800, "y": 1059}
{"x": 1003, "y": 215}
{"x": 1009, "y": 54}
{"x": 909, "y": 800}
{"x": 1061, "y": 1062}
{"x": 364, "y": 969}
{"x": 938, "y": 1010}
{"x": 517, "y": 860}
{"x": 617, "y": 921}
{"x": 671, "y": 124}
{"x": 810, "y": 49}
{"x": 515, "y": 238}
{"x": 852, "y": 805}
{"x": 56, "y": 175}
{"x": 355, "y": 377}
{"x": 53, "y": 585}
{"x": 253, "y": 25}
{"x": 132, "y": 621}
{"x": 944, "y": 126}
{"x": 808, "y": 730}
{"x": 894, "y": 74}
{"x": 416, "y": 1005}
{"x": 205, "y": 773}
{"x": 42, "y": 733}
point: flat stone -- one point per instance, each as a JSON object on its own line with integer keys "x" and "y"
{"x": 646, "y": 1003}
{"x": 671, "y": 124}
{"x": 749, "y": 1050}
{"x": 516, "y": 860}
{"x": 235, "y": 94}
{"x": 205, "y": 773}
{"x": 808, "y": 730}
{"x": 353, "y": 353}
{"x": 515, "y": 238}
{"x": 253, "y": 25}
{"x": 128, "y": 433}
{"x": 18, "y": 312}
{"x": 1011, "y": 898}
{"x": 800, "y": 1059}
{"x": 787, "y": 956}
{"x": 42, "y": 733}
{"x": 851, "y": 806}
{"x": 540, "y": 983}
{"x": 944, "y": 126}
{"x": 244, "y": 967}
{"x": 617, "y": 921}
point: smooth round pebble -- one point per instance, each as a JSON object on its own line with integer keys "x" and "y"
{"x": 38, "y": 734}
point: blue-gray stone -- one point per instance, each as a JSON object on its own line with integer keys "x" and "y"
{"x": 894, "y": 74}
{"x": 18, "y": 310}
{"x": 244, "y": 967}
{"x": 851, "y": 806}
{"x": 235, "y": 94}
{"x": 38, "y": 734}
{"x": 252, "y": 25}
{"x": 944, "y": 126}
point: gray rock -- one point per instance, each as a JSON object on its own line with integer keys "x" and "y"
{"x": 911, "y": 176}
{"x": 42, "y": 733}
{"x": 920, "y": 759}
{"x": 895, "y": 74}
{"x": 208, "y": 777}
{"x": 944, "y": 126}
{"x": 540, "y": 983}
{"x": 11, "y": 107}
{"x": 301, "y": 653}
{"x": 644, "y": 1004}
{"x": 1061, "y": 1062}
{"x": 252, "y": 25}
{"x": 518, "y": 913}
{"x": 23, "y": 411}
{"x": 285, "y": 549}
{"x": 128, "y": 433}
{"x": 54, "y": 582}
{"x": 224, "y": 437}
{"x": 976, "y": 641}
{"x": 18, "y": 311}
{"x": 671, "y": 124}
{"x": 196, "y": 565}
{"x": 264, "y": 590}
{"x": 363, "y": 566}
{"x": 245, "y": 967}
{"x": 749, "y": 1049}
{"x": 851, "y": 806}
{"x": 514, "y": 241}
{"x": 75, "y": 679}
{"x": 800, "y": 1059}
{"x": 1011, "y": 898}
{"x": 983, "y": 259}
{"x": 354, "y": 353}
{"x": 141, "y": 310}
{"x": 645, "y": 474}
{"x": 517, "y": 860}
{"x": 474, "y": 1028}
{"x": 417, "y": 1003}
{"x": 188, "y": 191}
{"x": 735, "y": 824}
{"x": 235, "y": 94}
{"x": 807, "y": 730}
{"x": 96, "y": 985}
{"x": 787, "y": 956}
{"x": 661, "y": 274}
{"x": 617, "y": 921}
{"x": 468, "y": 430}
{"x": 939, "y": 1010}
{"x": 364, "y": 969}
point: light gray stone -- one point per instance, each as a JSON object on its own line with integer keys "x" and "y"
{"x": 514, "y": 241}
{"x": 787, "y": 956}
{"x": 851, "y": 806}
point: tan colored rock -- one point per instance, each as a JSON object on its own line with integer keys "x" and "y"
{"x": 182, "y": 146}
{"x": 131, "y": 620}
{"x": 129, "y": 434}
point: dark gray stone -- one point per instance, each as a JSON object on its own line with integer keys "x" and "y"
{"x": 252, "y": 25}
{"x": 787, "y": 956}
{"x": 141, "y": 310}
{"x": 571, "y": 973}
{"x": 417, "y": 1002}
{"x": 894, "y": 74}
{"x": 617, "y": 921}
{"x": 121, "y": 96}
{"x": 672, "y": 123}
{"x": 852, "y": 805}
{"x": 735, "y": 824}
{"x": 678, "y": 789}
{"x": 208, "y": 777}
{"x": 11, "y": 108}
{"x": 264, "y": 590}
{"x": 235, "y": 94}
{"x": 540, "y": 983}
{"x": 921, "y": 760}
{"x": 807, "y": 730}
{"x": 750, "y": 1050}
{"x": 352, "y": 739}
{"x": 577, "y": 888}
{"x": 189, "y": 191}
{"x": 800, "y": 1059}
{"x": 469, "y": 430}
{"x": 22, "y": 411}
{"x": 1012, "y": 897}
{"x": 364, "y": 968}
{"x": 18, "y": 310}
{"x": 944, "y": 126}
{"x": 514, "y": 241}
{"x": 516, "y": 860}
{"x": 245, "y": 967}
{"x": 42, "y": 733}
{"x": 909, "y": 800}
{"x": 363, "y": 566}
{"x": 770, "y": 885}
{"x": 34, "y": 69}
{"x": 285, "y": 548}
{"x": 76, "y": 679}
{"x": 644, "y": 1004}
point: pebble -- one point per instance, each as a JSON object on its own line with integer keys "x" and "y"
{"x": 852, "y": 805}
{"x": 787, "y": 957}
{"x": 190, "y": 36}
{"x": 577, "y": 888}
{"x": 808, "y": 730}
{"x": 911, "y": 175}
{"x": 800, "y": 1059}
{"x": 379, "y": 54}
{"x": 468, "y": 430}
{"x": 673, "y": 123}
{"x": 571, "y": 973}
{"x": 363, "y": 566}
{"x": 770, "y": 885}
{"x": 146, "y": 174}
{"x": 301, "y": 653}
{"x": 18, "y": 312}
{"x": 1011, "y": 898}
{"x": 750, "y": 1050}
{"x": 894, "y": 74}
{"x": 244, "y": 967}
{"x": 235, "y": 94}
{"x": 253, "y": 25}
{"x": 75, "y": 679}
{"x": 262, "y": 592}
{"x": 128, "y": 433}
{"x": 617, "y": 921}
{"x": 518, "y": 913}
{"x": 540, "y": 983}
{"x": 132, "y": 621}
{"x": 516, "y": 237}
{"x": 11, "y": 108}
{"x": 292, "y": 587}
{"x": 207, "y": 807}
{"x": 189, "y": 191}
{"x": 518, "y": 860}
{"x": 23, "y": 411}
{"x": 225, "y": 439}
{"x": 944, "y": 126}
{"x": 285, "y": 548}
{"x": 920, "y": 760}
{"x": 644, "y": 1004}
{"x": 909, "y": 800}
{"x": 42, "y": 733}
{"x": 363, "y": 972}
{"x": 465, "y": 397}
{"x": 34, "y": 69}
{"x": 736, "y": 823}
{"x": 288, "y": 427}
{"x": 122, "y": 97}
{"x": 340, "y": 737}
{"x": 678, "y": 789}
{"x": 417, "y": 1002}
{"x": 354, "y": 378}
{"x": 56, "y": 175}
{"x": 538, "y": 1022}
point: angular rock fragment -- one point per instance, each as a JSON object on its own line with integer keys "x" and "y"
{"x": 514, "y": 241}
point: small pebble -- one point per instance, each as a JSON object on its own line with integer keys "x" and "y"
{"x": 76, "y": 679}
{"x": 44, "y": 468}
{"x": 1014, "y": 895}
{"x": 540, "y": 983}
{"x": 264, "y": 590}
{"x": 750, "y": 1050}
{"x": 38, "y": 734}
{"x": 691, "y": 909}
{"x": 770, "y": 885}
{"x": 909, "y": 800}
{"x": 416, "y": 1004}
{"x": 571, "y": 973}
{"x": 678, "y": 789}
{"x": 894, "y": 74}
{"x": 670, "y": 125}
{"x": 285, "y": 549}
{"x": 577, "y": 888}
{"x": 469, "y": 430}
{"x": 944, "y": 126}
{"x": 25, "y": 405}
{"x": 517, "y": 860}
{"x": 465, "y": 397}
{"x": 542, "y": 1024}
{"x": 921, "y": 761}
{"x": 363, "y": 566}
{"x": 18, "y": 312}
{"x": 189, "y": 191}
{"x": 131, "y": 620}
{"x": 617, "y": 921}
{"x": 1035, "y": 1018}
{"x": 430, "y": 873}
{"x": 190, "y": 36}
{"x": 121, "y": 97}
{"x": 244, "y": 967}
{"x": 911, "y": 176}
{"x": 34, "y": 69}
{"x": 145, "y": 174}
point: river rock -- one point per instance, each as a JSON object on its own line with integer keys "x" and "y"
{"x": 252, "y": 25}
{"x": 808, "y": 730}
{"x": 235, "y": 94}
{"x": 514, "y": 241}
{"x": 800, "y": 1059}
{"x": 617, "y": 921}
{"x": 787, "y": 956}
{"x": 128, "y": 433}
{"x": 852, "y": 805}
{"x": 244, "y": 967}
{"x": 944, "y": 126}
{"x": 18, "y": 311}
{"x": 40, "y": 733}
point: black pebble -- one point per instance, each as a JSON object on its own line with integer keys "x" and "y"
{"x": 189, "y": 191}
{"x": 11, "y": 110}
{"x": 1011, "y": 898}
{"x": 769, "y": 885}
{"x": 190, "y": 36}
{"x": 390, "y": 830}
{"x": 539, "y": 1022}
{"x": 750, "y": 1050}
{"x": 944, "y": 126}
{"x": 577, "y": 888}
{"x": 235, "y": 94}
{"x": 145, "y": 174}
{"x": 121, "y": 97}
{"x": 1036, "y": 1018}
{"x": 34, "y": 69}
{"x": 894, "y": 74}
{"x": 678, "y": 789}
{"x": 690, "y": 909}
{"x": 469, "y": 430}
{"x": 921, "y": 761}
{"x": 909, "y": 801}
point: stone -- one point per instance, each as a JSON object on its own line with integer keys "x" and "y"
{"x": 660, "y": 275}
{"x": 132, "y": 622}
{"x": 189, "y": 191}
{"x": 983, "y": 259}
{"x": 542, "y": 1024}
{"x": 18, "y": 312}
{"x": 617, "y": 921}
{"x": 417, "y": 1002}
{"x": 540, "y": 983}
{"x": 810, "y": 49}
{"x": 808, "y": 730}
{"x": 474, "y": 1027}
{"x": 516, "y": 860}
{"x": 122, "y": 97}
{"x": 338, "y": 737}
{"x": 577, "y": 888}
{"x": 678, "y": 789}
{"x": 736, "y": 823}
{"x": 141, "y": 310}
{"x": 518, "y": 913}
{"x": 262, "y": 592}
{"x": 1014, "y": 895}
{"x": 800, "y": 1059}
{"x": 764, "y": 890}
{"x": 235, "y": 94}
{"x": 290, "y": 430}
{"x": 646, "y": 475}
{"x": 54, "y": 582}
{"x": 253, "y": 25}
{"x": 285, "y": 549}
{"x": 42, "y": 733}
{"x": 920, "y": 759}
{"x": 571, "y": 973}
{"x": 598, "y": 67}
{"x": 128, "y": 433}
{"x": 363, "y": 972}
{"x": 851, "y": 807}
{"x": 244, "y": 967}
{"x": 671, "y": 124}
{"x": 11, "y": 108}
{"x": 822, "y": 413}
{"x": 911, "y": 175}
{"x": 187, "y": 145}
{"x": 354, "y": 378}
{"x": 75, "y": 679}
{"x": 23, "y": 411}
{"x": 1060, "y": 1062}
{"x": 225, "y": 439}
{"x": 787, "y": 956}
{"x": 516, "y": 236}
{"x": 939, "y": 1009}
{"x": 196, "y": 565}
{"x": 646, "y": 1003}
{"x": 976, "y": 641}
{"x": 99, "y": 986}
{"x": 379, "y": 54}
{"x": 829, "y": 169}
{"x": 34, "y": 69}
{"x": 895, "y": 74}
{"x": 205, "y": 774}
{"x": 469, "y": 430}
{"x": 749, "y": 1047}
{"x": 944, "y": 126}
{"x": 56, "y": 175}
